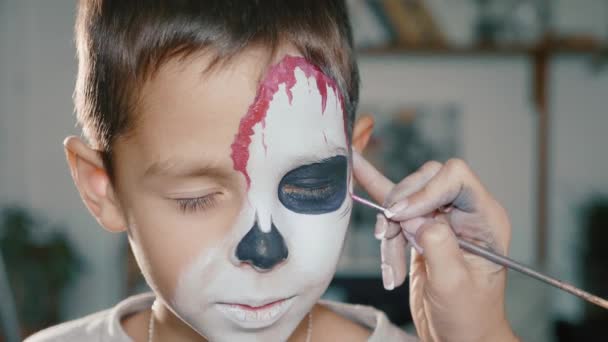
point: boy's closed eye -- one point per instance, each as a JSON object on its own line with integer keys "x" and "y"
{"x": 316, "y": 188}
{"x": 194, "y": 204}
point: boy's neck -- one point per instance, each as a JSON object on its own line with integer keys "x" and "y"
{"x": 167, "y": 327}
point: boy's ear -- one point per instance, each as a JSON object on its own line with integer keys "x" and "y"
{"x": 93, "y": 183}
{"x": 362, "y": 132}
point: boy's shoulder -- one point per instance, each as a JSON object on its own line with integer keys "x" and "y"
{"x": 88, "y": 328}
{"x": 100, "y": 326}
{"x": 358, "y": 321}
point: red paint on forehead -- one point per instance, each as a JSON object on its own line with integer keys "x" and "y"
{"x": 280, "y": 73}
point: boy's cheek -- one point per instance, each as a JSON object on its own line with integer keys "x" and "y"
{"x": 169, "y": 241}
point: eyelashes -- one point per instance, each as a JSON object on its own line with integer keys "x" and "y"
{"x": 191, "y": 205}
{"x": 316, "y": 191}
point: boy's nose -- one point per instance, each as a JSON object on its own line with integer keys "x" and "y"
{"x": 262, "y": 250}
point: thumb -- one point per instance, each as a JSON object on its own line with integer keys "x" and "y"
{"x": 445, "y": 264}
{"x": 372, "y": 180}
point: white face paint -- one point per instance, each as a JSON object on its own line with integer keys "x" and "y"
{"x": 281, "y": 254}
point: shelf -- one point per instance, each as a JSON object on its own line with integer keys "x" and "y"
{"x": 497, "y": 51}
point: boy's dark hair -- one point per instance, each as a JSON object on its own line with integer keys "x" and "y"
{"x": 122, "y": 43}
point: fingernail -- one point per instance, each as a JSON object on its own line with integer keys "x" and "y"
{"x": 389, "y": 214}
{"x": 380, "y": 229}
{"x": 397, "y": 208}
{"x": 388, "y": 278}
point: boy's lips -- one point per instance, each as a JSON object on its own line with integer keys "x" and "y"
{"x": 256, "y": 314}
{"x": 259, "y": 307}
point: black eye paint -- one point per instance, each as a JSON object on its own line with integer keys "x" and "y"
{"x": 316, "y": 188}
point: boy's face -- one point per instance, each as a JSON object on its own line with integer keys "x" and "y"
{"x": 237, "y": 204}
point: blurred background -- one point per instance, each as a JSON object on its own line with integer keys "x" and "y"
{"x": 517, "y": 88}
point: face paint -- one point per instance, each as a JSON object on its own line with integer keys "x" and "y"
{"x": 282, "y": 251}
{"x": 262, "y": 250}
{"x": 279, "y": 74}
{"x": 316, "y": 188}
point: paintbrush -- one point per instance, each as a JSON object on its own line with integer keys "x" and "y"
{"x": 507, "y": 262}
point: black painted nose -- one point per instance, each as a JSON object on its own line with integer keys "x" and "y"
{"x": 262, "y": 250}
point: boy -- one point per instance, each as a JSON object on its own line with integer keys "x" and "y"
{"x": 219, "y": 138}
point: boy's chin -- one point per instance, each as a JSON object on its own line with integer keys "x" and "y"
{"x": 277, "y": 332}
{"x": 228, "y": 323}
{"x": 280, "y": 330}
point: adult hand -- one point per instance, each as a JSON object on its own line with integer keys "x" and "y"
{"x": 454, "y": 295}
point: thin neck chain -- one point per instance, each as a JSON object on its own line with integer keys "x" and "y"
{"x": 309, "y": 330}
{"x": 151, "y": 327}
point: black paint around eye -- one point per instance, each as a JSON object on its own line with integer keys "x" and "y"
{"x": 317, "y": 188}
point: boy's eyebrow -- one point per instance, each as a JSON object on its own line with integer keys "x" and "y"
{"x": 320, "y": 157}
{"x": 179, "y": 168}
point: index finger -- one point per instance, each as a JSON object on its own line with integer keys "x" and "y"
{"x": 455, "y": 185}
{"x": 372, "y": 180}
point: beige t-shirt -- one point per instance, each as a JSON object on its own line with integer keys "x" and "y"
{"x": 104, "y": 326}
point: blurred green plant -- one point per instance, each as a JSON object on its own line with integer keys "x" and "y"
{"x": 594, "y": 256}
{"x": 40, "y": 266}
{"x": 593, "y": 268}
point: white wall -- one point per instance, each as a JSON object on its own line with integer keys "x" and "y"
{"x": 37, "y": 68}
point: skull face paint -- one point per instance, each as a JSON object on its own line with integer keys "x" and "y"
{"x": 281, "y": 253}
